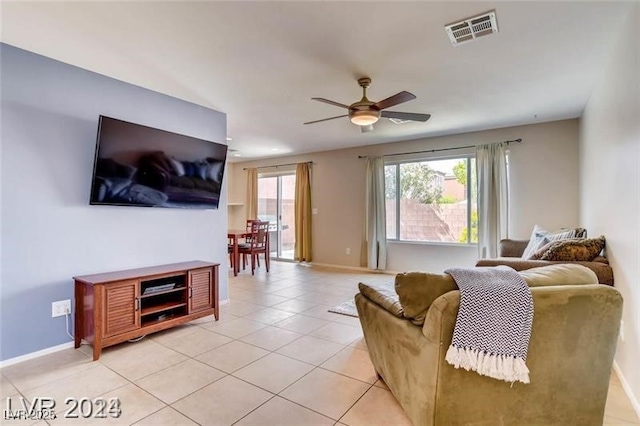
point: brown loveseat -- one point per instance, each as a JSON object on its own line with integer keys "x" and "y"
{"x": 575, "y": 328}
{"x": 510, "y": 252}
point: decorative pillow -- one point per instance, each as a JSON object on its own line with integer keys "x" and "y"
{"x": 572, "y": 250}
{"x": 536, "y": 241}
{"x": 178, "y": 168}
{"x": 541, "y": 237}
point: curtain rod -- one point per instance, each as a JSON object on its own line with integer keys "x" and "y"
{"x": 438, "y": 150}
{"x": 279, "y": 165}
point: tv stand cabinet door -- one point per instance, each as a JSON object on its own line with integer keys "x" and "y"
{"x": 201, "y": 295}
{"x": 121, "y": 307}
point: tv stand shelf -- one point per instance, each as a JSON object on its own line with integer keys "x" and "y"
{"x": 161, "y": 308}
{"x": 117, "y": 306}
{"x": 158, "y": 293}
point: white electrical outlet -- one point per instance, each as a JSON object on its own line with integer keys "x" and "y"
{"x": 622, "y": 330}
{"x": 60, "y": 308}
{"x": 348, "y": 250}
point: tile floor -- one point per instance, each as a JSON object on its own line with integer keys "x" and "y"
{"x": 275, "y": 357}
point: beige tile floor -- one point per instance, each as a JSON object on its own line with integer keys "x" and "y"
{"x": 275, "y": 357}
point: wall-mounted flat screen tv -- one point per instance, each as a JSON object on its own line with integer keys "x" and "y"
{"x": 137, "y": 165}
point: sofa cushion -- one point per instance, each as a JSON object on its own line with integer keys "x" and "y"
{"x": 418, "y": 290}
{"x": 559, "y": 274}
{"x": 384, "y": 296}
{"x": 573, "y": 250}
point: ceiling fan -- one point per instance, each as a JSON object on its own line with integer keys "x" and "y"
{"x": 365, "y": 113}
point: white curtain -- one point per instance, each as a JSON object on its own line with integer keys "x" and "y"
{"x": 493, "y": 201}
{"x": 375, "y": 219}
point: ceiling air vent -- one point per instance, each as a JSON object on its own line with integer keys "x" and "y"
{"x": 472, "y": 28}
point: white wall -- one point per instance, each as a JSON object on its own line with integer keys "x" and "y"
{"x": 610, "y": 181}
{"x": 544, "y": 190}
{"x": 50, "y": 233}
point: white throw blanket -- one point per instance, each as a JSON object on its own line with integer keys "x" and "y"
{"x": 493, "y": 327}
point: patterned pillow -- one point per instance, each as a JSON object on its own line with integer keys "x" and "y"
{"x": 572, "y": 250}
{"x": 541, "y": 237}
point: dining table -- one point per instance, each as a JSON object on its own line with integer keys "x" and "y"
{"x": 234, "y": 235}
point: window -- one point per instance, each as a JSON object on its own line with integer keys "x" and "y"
{"x": 428, "y": 201}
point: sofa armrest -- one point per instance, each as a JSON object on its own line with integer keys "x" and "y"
{"x": 518, "y": 264}
{"x": 441, "y": 318}
{"x": 512, "y": 248}
{"x": 383, "y": 296}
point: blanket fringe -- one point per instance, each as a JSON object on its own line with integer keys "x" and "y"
{"x": 501, "y": 367}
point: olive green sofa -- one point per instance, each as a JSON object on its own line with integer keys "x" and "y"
{"x": 409, "y": 328}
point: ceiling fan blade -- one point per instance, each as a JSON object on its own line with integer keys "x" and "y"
{"x": 366, "y": 129}
{"x": 327, "y": 101}
{"x": 405, "y": 115}
{"x": 326, "y": 119}
{"x": 396, "y": 99}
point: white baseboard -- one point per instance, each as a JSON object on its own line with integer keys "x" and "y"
{"x": 627, "y": 389}
{"x": 51, "y": 350}
{"x": 37, "y": 354}
{"x": 352, "y": 268}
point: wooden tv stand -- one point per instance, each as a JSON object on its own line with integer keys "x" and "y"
{"x": 118, "y": 306}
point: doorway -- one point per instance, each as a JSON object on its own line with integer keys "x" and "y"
{"x": 276, "y": 205}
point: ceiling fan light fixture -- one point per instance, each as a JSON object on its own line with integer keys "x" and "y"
{"x": 364, "y": 117}
{"x": 365, "y": 113}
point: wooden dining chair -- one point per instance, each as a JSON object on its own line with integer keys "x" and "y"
{"x": 257, "y": 245}
{"x": 230, "y": 251}
{"x": 247, "y": 241}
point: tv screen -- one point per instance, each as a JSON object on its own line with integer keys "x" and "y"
{"x": 137, "y": 165}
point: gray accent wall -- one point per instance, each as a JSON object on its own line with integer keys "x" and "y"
{"x": 49, "y": 232}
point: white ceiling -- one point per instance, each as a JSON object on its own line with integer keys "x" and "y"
{"x": 261, "y": 62}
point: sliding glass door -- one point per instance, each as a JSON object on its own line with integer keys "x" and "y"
{"x": 275, "y": 204}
